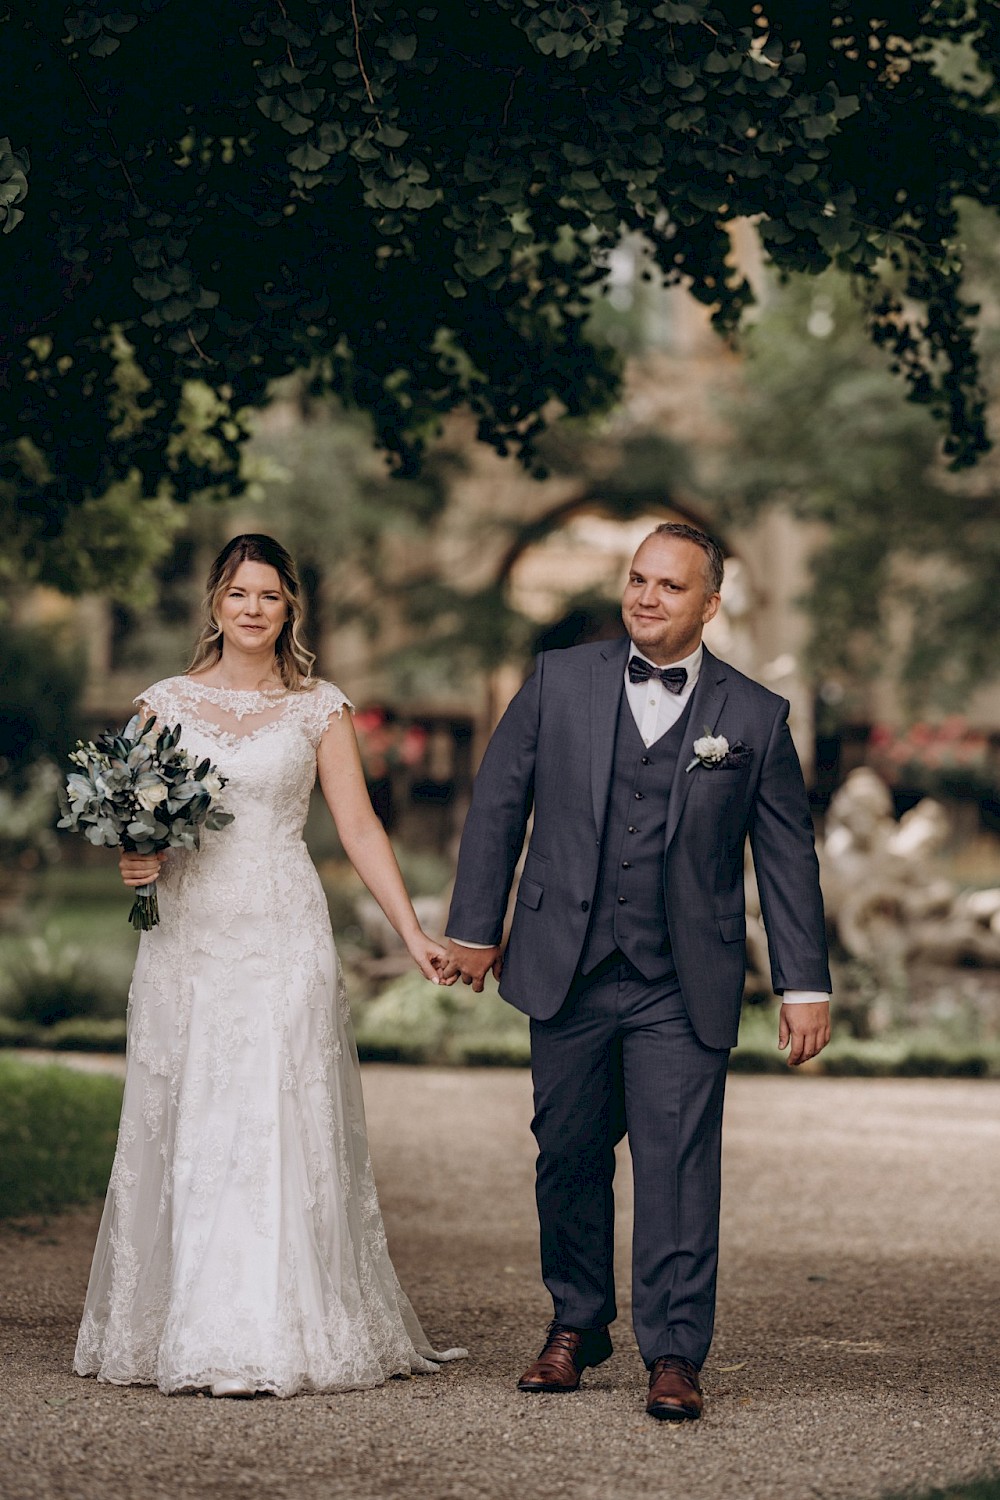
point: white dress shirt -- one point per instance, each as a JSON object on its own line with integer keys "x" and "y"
{"x": 655, "y": 710}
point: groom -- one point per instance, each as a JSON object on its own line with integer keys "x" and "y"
{"x": 648, "y": 762}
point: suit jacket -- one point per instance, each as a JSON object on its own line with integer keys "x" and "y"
{"x": 553, "y": 751}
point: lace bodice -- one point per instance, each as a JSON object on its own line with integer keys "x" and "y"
{"x": 263, "y": 742}
{"x": 222, "y": 711}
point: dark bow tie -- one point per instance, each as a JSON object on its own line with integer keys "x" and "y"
{"x": 674, "y": 679}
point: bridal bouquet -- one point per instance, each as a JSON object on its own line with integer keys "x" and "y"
{"x": 139, "y": 791}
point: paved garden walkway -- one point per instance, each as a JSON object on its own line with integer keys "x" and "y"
{"x": 857, "y": 1351}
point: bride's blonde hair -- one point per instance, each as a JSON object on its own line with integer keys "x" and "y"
{"x": 294, "y": 661}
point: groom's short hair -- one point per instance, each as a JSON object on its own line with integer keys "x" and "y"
{"x": 714, "y": 559}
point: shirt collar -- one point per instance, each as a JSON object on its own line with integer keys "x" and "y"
{"x": 692, "y": 663}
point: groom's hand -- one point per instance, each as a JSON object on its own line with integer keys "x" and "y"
{"x": 806, "y": 1027}
{"x": 471, "y": 965}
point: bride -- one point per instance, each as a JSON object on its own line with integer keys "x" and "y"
{"x": 242, "y": 1247}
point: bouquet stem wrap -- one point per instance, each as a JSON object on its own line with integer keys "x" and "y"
{"x": 145, "y": 913}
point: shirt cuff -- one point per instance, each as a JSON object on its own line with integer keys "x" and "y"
{"x": 804, "y": 997}
{"x": 462, "y": 942}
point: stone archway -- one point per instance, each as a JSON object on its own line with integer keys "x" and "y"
{"x": 565, "y": 571}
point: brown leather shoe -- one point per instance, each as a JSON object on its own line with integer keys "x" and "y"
{"x": 567, "y": 1353}
{"x": 674, "y": 1391}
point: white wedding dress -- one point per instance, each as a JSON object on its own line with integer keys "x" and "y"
{"x": 242, "y": 1236}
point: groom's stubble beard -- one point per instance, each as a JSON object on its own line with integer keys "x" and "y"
{"x": 660, "y": 642}
{"x": 665, "y": 640}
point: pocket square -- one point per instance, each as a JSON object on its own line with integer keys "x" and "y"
{"x": 738, "y": 755}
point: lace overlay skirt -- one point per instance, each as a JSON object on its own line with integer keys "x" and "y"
{"x": 242, "y": 1235}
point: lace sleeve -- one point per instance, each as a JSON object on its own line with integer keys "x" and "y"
{"x": 318, "y": 708}
{"x": 159, "y": 701}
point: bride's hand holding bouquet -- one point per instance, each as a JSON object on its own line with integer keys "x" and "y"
{"x": 140, "y": 792}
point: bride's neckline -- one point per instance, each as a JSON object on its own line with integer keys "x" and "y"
{"x": 278, "y": 690}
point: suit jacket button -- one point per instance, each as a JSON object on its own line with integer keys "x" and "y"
{"x": 584, "y": 905}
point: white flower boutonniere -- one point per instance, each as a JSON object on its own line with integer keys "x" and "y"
{"x": 708, "y": 752}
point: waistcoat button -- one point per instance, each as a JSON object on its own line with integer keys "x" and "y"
{"x": 626, "y": 865}
{"x": 645, "y": 760}
{"x": 622, "y": 901}
{"x": 638, "y": 796}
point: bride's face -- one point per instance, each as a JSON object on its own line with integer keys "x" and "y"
{"x": 252, "y": 610}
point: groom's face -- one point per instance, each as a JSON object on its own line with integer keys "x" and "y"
{"x": 667, "y": 599}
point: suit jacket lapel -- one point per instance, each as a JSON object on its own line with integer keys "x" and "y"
{"x": 607, "y": 682}
{"x": 707, "y": 702}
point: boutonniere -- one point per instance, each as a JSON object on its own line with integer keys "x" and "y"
{"x": 715, "y": 750}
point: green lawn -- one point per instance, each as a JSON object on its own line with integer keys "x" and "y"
{"x": 977, "y": 1489}
{"x": 57, "y": 1136}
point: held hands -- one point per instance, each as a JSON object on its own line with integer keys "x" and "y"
{"x": 471, "y": 965}
{"x": 140, "y": 869}
{"x": 429, "y": 957}
{"x": 807, "y": 1027}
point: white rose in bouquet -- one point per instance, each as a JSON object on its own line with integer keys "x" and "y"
{"x": 151, "y": 796}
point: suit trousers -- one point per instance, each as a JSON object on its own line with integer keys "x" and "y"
{"x": 621, "y": 1057}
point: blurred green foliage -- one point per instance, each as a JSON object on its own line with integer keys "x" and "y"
{"x": 82, "y": 1034}
{"x": 328, "y": 494}
{"x": 57, "y": 1136}
{"x": 418, "y": 1022}
{"x": 73, "y": 926}
{"x": 907, "y": 1052}
{"x": 41, "y": 680}
{"x": 904, "y": 572}
{"x": 50, "y": 981}
{"x": 82, "y": 918}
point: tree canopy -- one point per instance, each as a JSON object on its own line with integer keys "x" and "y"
{"x": 414, "y": 202}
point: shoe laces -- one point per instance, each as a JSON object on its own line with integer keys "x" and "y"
{"x": 674, "y": 1362}
{"x": 558, "y": 1336}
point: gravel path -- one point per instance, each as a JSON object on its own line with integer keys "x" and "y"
{"x": 856, "y": 1352}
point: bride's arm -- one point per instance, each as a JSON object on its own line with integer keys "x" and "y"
{"x": 365, "y": 841}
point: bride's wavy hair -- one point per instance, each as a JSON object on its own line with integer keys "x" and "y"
{"x": 294, "y": 660}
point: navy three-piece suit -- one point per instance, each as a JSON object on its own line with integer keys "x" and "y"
{"x": 627, "y": 950}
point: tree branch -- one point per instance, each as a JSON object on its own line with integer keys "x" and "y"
{"x": 357, "y": 50}
{"x": 288, "y": 45}
{"x": 47, "y": 41}
{"x": 510, "y": 97}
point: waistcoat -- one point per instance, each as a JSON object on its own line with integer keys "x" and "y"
{"x": 629, "y": 911}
